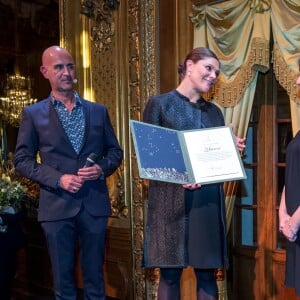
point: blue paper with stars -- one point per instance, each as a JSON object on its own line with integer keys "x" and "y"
{"x": 186, "y": 156}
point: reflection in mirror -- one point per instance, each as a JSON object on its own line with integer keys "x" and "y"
{"x": 27, "y": 28}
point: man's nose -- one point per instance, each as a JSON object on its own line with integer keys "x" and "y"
{"x": 67, "y": 70}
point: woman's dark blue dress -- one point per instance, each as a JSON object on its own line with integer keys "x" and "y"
{"x": 184, "y": 227}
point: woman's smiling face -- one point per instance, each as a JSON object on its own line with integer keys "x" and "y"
{"x": 203, "y": 74}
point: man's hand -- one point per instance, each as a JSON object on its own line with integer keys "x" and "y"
{"x": 71, "y": 183}
{"x": 90, "y": 173}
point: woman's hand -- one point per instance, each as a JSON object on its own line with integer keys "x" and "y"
{"x": 283, "y": 220}
{"x": 288, "y": 225}
{"x": 192, "y": 186}
{"x": 289, "y": 231}
{"x": 240, "y": 142}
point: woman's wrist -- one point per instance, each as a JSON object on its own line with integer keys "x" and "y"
{"x": 293, "y": 226}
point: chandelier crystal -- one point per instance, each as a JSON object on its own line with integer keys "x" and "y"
{"x": 17, "y": 95}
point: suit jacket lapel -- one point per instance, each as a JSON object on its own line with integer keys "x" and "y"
{"x": 86, "y": 114}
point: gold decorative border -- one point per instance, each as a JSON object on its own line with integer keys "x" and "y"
{"x": 72, "y": 37}
{"x": 285, "y": 76}
{"x": 143, "y": 83}
{"x": 136, "y": 55}
{"x": 103, "y": 30}
{"x": 228, "y": 93}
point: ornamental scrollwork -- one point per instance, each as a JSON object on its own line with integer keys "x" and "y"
{"x": 103, "y": 25}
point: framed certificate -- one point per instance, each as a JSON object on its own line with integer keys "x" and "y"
{"x": 202, "y": 156}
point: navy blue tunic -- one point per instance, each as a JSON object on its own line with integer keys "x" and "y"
{"x": 184, "y": 227}
{"x": 292, "y": 192}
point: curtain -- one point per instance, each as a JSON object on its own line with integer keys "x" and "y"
{"x": 238, "y": 32}
{"x": 285, "y": 16}
{"x": 238, "y": 116}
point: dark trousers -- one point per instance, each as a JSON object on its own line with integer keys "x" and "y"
{"x": 62, "y": 239}
{"x": 169, "y": 285}
{"x": 8, "y": 266}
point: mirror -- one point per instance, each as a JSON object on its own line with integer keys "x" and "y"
{"x": 27, "y": 28}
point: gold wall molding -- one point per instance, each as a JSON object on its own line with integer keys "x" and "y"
{"x": 228, "y": 93}
{"x": 122, "y": 78}
{"x": 103, "y": 24}
{"x": 97, "y": 77}
{"x": 143, "y": 75}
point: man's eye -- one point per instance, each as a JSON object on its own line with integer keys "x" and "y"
{"x": 61, "y": 67}
{"x": 58, "y": 67}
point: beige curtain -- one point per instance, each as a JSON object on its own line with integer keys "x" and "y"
{"x": 238, "y": 116}
{"x": 285, "y": 20}
{"x": 238, "y": 32}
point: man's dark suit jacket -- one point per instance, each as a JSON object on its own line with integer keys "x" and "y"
{"x": 42, "y": 133}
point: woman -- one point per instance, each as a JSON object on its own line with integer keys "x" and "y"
{"x": 186, "y": 224}
{"x": 289, "y": 211}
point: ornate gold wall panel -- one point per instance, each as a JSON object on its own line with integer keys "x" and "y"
{"x": 143, "y": 75}
{"x": 99, "y": 80}
{"x": 122, "y": 78}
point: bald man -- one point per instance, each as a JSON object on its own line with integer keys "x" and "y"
{"x": 74, "y": 203}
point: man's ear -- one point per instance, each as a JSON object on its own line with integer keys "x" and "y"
{"x": 43, "y": 70}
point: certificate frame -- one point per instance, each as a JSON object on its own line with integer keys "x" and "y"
{"x": 204, "y": 156}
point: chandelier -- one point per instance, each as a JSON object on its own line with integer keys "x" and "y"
{"x": 17, "y": 95}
